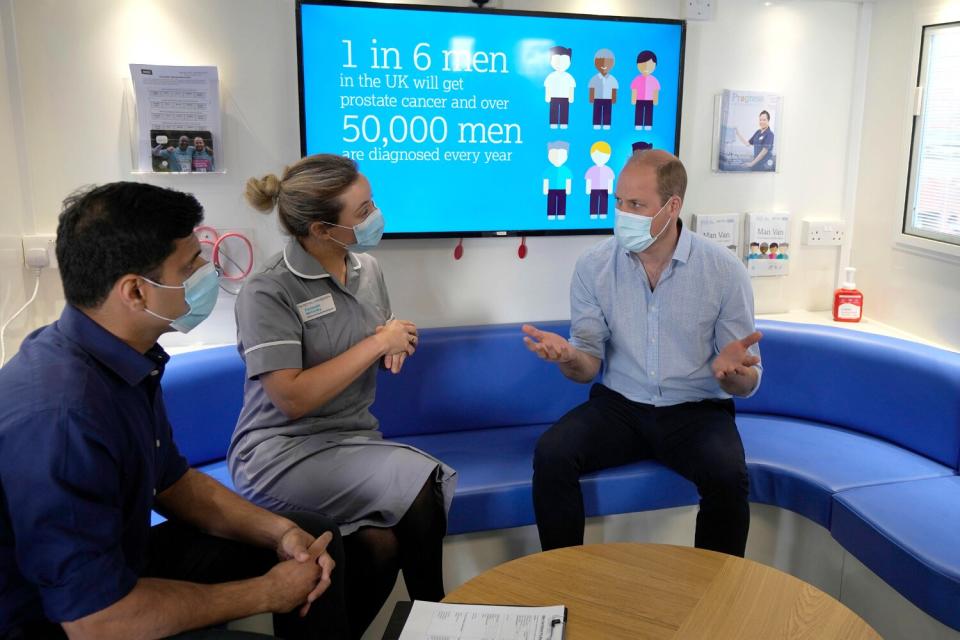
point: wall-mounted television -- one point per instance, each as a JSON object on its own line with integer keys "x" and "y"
{"x": 473, "y": 122}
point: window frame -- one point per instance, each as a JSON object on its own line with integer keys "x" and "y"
{"x": 909, "y": 237}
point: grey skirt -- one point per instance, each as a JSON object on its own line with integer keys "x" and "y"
{"x": 357, "y": 481}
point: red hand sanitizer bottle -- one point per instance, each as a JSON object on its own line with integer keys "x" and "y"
{"x": 847, "y": 300}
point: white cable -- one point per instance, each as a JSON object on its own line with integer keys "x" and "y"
{"x": 3, "y": 329}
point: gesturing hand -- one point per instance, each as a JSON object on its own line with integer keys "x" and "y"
{"x": 548, "y": 346}
{"x": 734, "y": 359}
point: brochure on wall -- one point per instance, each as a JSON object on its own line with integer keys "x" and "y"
{"x": 439, "y": 621}
{"x": 736, "y": 148}
{"x": 178, "y": 117}
{"x": 721, "y": 228}
{"x": 768, "y": 251}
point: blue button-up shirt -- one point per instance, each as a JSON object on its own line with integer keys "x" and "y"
{"x": 657, "y": 346}
{"x": 85, "y": 445}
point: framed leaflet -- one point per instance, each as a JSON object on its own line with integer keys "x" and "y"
{"x": 746, "y": 132}
{"x": 178, "y": 119}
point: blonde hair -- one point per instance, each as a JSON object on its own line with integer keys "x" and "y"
{"x": 600, "y": 146}
{"x": 308, "y": 192}
{"x": 671, "y": 174}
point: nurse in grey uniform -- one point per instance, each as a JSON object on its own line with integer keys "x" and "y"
{"x": 313, "y": 327}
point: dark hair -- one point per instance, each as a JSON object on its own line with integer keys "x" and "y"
{"x": 774, "y": 244}
{"x": 754, "y": 244}
{"x": 765, "y": 112}
{"x": 109, "y": 231}
{"x": 644, "y": 56}
{"x": 561, "y": 51}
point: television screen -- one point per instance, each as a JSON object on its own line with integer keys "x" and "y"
{"x": 487, "y": 122}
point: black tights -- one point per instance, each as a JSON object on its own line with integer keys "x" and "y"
{"x": 414, "y": 545}
{"x": 420, "y": 532}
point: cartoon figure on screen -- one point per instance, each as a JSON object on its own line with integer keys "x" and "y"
{"x": 764, "y": 158}
{"x": 559, "y": 87}
{"x": 599, "y": 180}
{"x": 754, "y": 251}
{"x": 645, "y": 91}
{"x": 784, "y": 252}
{"x": 639, "y": 146}
{"x": 202, "y": 156}
{"x": 603, "y": 89}
{"x": 774, "y": 250}
{"x": 557, "y": 180}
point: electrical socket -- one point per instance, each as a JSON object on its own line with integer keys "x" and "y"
{"x": 36, "y": 247}
{"x": 698, "y": 9}
{"x": 824, "y": 233}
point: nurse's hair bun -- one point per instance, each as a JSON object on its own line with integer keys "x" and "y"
{"x": 262, "y": 193}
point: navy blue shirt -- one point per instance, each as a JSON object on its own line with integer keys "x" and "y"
{"x": 763, "y": 140}
{"x": 85, "y": 446}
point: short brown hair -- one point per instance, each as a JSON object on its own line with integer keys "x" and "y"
{"x": 671, "y": 174}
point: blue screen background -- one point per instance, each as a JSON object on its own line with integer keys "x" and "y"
{"x": 425, "y": 196}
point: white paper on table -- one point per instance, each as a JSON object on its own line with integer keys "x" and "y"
{"x": 175, "y": 101}
{"x": 440, "y": 621}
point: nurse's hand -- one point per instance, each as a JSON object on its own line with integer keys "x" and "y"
{"x": 393, "y": 363}
{"x": 398, "y": 336}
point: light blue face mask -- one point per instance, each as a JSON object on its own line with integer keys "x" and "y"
{"x": 633, "y": 231}
{"x": 200, "y": 292}
{"x": 368, "y": 233}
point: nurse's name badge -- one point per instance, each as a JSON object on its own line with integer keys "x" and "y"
{"x": 316, "y": 307}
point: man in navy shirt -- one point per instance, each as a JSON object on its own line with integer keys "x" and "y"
{"x": 86, "y": 452}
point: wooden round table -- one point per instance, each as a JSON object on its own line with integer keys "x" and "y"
{"x": 633, "y": 590}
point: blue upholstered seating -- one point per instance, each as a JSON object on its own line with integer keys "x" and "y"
{"x": 857, "y": 432}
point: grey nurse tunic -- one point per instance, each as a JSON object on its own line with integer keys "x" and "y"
{"x": 334, "y": 461}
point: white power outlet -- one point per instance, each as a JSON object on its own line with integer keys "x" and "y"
{"x": 698, "y": 9}
{"x": 824, "y": 233}
{"x": 34, "y": 248}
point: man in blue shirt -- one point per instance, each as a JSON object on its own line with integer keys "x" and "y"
{"x": 670, "y": 317}
{"x": 179, "y": 158}
{"x": 86, "y": 452}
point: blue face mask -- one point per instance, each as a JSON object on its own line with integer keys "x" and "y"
{"x": 200, "y": 292}
{"x": 368, "y": 233}
{"x": 633, "y": 231}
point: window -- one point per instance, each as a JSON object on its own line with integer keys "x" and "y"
{"x": 933, "y": 191}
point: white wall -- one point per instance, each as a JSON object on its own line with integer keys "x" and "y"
{"x": 72, "y": 62}
{"x": 914, "y": 289}
{"x": 13, "y": 277}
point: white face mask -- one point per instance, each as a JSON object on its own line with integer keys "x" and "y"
{"x": 633, "y": 230}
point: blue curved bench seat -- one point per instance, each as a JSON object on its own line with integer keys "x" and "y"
{"x": 857, "y": 432}
{"x": 906, "y": 532}
{"x": 799, "y": 465}
{"x": 495, "y": 467}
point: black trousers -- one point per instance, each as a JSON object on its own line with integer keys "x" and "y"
{"x": 181, "y": 552}
{"x": 698, "y": 440}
